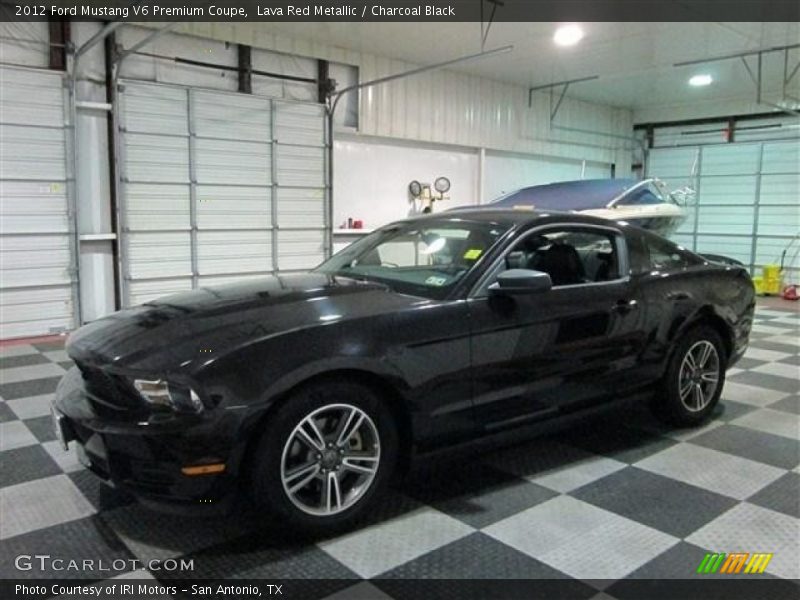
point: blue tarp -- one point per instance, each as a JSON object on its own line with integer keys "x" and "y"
{"x": 575, "y": 195}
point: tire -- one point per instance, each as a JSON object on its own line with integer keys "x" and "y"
{"x": 688, "y": 395}
{"x": 294, "y": 477}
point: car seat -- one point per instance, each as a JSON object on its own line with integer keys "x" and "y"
{"x": 563, "y": 263}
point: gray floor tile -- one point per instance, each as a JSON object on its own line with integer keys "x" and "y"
{"x": 781, "y": 348}
{"x": 749, "y": 363}
{"x": 28, "y": 372}
{"x": 712, "y": 470}
{"x": 670, "y": 506}
{"x": 25, "y": 464}
{"x": 15, "y": 434}
{"x": 771, "y": 421}
{"x": 791, "y": 360}
{"x": 42, "y": 428}
{"x": 101, "y": 495}
{"x": 28, "y": 408}
{"x": 782, "y": 495}
{"x": 749, "y": 394}
{"x": 17, "y": 350}
{"x": 581, "y": 540}
{"x": 779, "y": 369}
{"x": 39, "y": 504}
{"x": 400, "y": 539}
{"x": 66, "y": 460}
{"x": 754, "y": 445}
{"x": 751, "y": 528}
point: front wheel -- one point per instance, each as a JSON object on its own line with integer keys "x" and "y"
{"x": 694, "y": 378}
{"x": 326, "y": 455}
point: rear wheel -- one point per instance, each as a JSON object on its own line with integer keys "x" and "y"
{"x": 694, "y": 378}
{"x": 326, "y": 456}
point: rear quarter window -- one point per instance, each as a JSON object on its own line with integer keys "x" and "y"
{"x": 650, "y": 252}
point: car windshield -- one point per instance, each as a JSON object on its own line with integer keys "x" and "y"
{"x": 422, "y": 258}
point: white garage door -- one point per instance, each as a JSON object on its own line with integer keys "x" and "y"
{"x": 747, "y": 197}
{"x": 216, "y": 187}
{"x": 36, "y": 246}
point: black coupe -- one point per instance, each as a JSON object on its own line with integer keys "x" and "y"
{"x": 310, "y": 390}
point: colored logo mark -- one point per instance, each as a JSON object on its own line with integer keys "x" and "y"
{"x": 735, "y": 562}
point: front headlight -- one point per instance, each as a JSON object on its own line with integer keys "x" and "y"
{"x": 160, "y": 393}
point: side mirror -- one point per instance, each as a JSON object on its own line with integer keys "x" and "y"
{"x": 521, "y": 281}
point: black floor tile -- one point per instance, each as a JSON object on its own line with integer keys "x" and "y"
{"x": 82, "y": 539}
{"x": 50, "y": 346}
{"x": 26, "y": 464}
{"x": 659, "y": 502}
{"x": 25, "y": 389}
{"x": 102, "y": 496}
{"x": 782, "y": 495}
{"x": 728, "y": 410}
{"x": 477, "y": 494}
{"x": 760, "y": 446}
{"x": 24, "y": 360}
{"x": 42, "y": 428}
{"x": 790, "y": 404}
{"x": 6, "y": 414}
{"x": 619, "y": 442}
{"x": 749, "y": 363}
{"x": 765, "y": 380}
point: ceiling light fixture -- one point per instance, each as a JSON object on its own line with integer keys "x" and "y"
{"x": 568, "y": 35}
{"x": 700, "y": 80}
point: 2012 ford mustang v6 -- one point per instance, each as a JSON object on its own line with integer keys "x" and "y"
{"x": 309, "y": 390}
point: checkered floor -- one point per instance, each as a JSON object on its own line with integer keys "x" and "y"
{"x": 612, "y": 499}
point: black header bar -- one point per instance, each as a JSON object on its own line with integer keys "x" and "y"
{"x": 403, "y": 10}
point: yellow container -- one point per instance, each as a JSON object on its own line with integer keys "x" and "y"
{"x": 772, "y": 272}
{"x": 758, "y": 283}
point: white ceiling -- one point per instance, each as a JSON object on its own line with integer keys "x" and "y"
{"x": 633, "y": 60}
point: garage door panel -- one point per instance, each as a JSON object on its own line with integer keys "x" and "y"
{"x": 154, "y": 255}
{"x": 220, "y": 252}
{"x": 778, "y": 220}
{"x": 725, "y": 219}
{"x": 156, "y": 158}
{"x": 301, "y": 124}
{"x": 780, "y": 189}
{"x": 671, "y": 162}
{"x": 157, "y": 206}
{"x": 233, "y": 207}
{"x": 32, "y": 260}
{"x": 33, "y": 207}
{"x": 731, "y": 159}
{"x": 301, "y": 207}
{"x": 31, "y": 98}
{"x": 231, "y": 116}
{"x": 145, "y": 291}
{"x": 732, "y": 246}
{"x": 154, "y": 109}
{"x": 233, "y": 162}
{"x": 32, "y": 153}
{"x": 769, "y": 250}
{"x": 299, "y": 250}
{"x": 781, "y": 157}
{"x": 301, "y": 166}
{"x": 728, "y": 190}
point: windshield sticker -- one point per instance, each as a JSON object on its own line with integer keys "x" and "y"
{"x": 437, "y": 281}
{"x": 473, "y": 253}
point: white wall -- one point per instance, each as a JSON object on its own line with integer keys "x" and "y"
{"x": 371, "y": 177}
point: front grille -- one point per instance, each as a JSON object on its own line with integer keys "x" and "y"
{"x": 109, "y": 393}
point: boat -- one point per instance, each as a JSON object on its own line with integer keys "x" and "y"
{"x": 646, "y": 203}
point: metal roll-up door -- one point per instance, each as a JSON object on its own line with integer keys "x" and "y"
{"x": 37, "y": 253}
{"x": 299, "y": 185}
{"x": 217, "y": 186}
{"x": 677, "y": 167}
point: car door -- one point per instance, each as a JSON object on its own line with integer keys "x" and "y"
{"x": 548, "y": 353}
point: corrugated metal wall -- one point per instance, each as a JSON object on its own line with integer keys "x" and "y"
{"x": 748, "y": 193}
{"x": 36, "y": 245}
{"x": 454, "y": 108}
{"x": 217, "y": 186}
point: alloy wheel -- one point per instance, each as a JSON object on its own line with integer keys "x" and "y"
{"x": 330, "y": 459}
{"x": 699, "y": 376}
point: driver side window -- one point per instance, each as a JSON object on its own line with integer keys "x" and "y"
{"x": 569, "y": 256}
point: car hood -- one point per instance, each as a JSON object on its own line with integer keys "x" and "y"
{"x": 183, "y": 330}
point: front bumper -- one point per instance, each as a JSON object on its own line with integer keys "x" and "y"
{"x": 145, "y": 455}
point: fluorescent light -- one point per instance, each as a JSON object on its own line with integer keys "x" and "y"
{"x": 568, "y": 35}
{"x": 700, "y": 80}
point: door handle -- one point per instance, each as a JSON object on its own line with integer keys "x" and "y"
{"x": 625, "y": 306}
